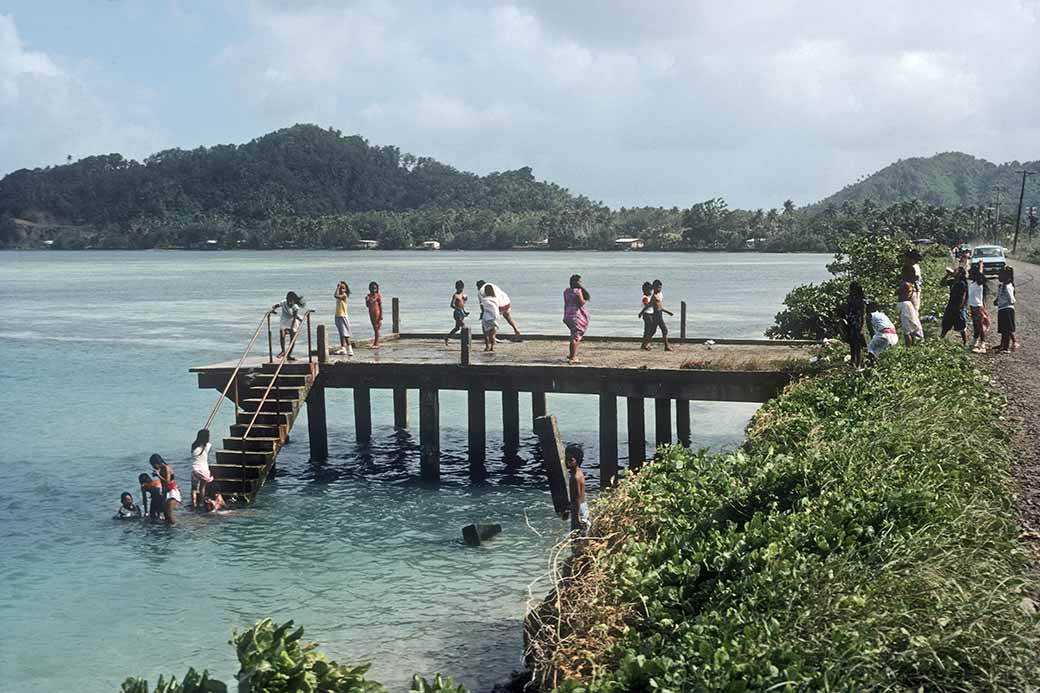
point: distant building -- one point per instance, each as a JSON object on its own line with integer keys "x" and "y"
{"x": 753, "y": 243}
{"x": 630, "y": 243}
{"x": 367, "y": 244}
{"x": 431, "y": 245}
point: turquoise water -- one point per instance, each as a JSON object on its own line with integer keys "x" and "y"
{"x": 95, "y": 352}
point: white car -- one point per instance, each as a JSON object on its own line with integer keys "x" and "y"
{"x": 991, "y": 257}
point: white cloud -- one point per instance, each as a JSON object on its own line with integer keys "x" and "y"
{"x": 49, "y": 110}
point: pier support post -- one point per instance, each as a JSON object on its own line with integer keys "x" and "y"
{"x": 395, "y": 315}
{"x": 429, "y": 434}
{"x": 682, "y": 422}
{"x": 363, "y": 415}
{"x": 511, "y": 419}
{"x": 682, "y": 320}
{"x": 538, "y": 406}
{"x": 477, "y": 421}
{"x": 636, "y": 433}
{"x": 552, "y": 459}
{"x": 464, "y": 346}
{"x": 663, "y": 419}
{"x": 608, "y": 466}
{"x": 317, "y": 429}
{"x": 323, "y": 344}
{"x": 400, "y": 408}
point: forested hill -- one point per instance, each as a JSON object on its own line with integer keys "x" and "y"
{"x": 950, "y": 179}
{"x": 303, "y": 171}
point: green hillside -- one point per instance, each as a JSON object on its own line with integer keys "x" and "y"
{"x": 950, "y": 179}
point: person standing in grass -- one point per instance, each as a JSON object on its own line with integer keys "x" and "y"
{"x": 908, "y": 316}
{"x": 852, "y": 313}
{"x": 458, "y": 309}
{"x": 883, "y": 332}
{"x": 979, "y": 317}
{"x": 374, "y": 303}
{"x": 955, "y": 317}
{"x": 912, "y": 266}
{"x": 342, "y": 295}
{"x": 575, "y": 314}
{"x": 1006, "y": 310}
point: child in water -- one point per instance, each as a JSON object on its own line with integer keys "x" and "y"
{"x": 575, "y": 455}
{"x": 374, "y": 303}
{"x": 127, "y": 509}
{"x": 200, "y": 474}
{"x": 171, "y": 494}
{"x": 883, "y": 332}
{"x": 215, "y": 504}
{"x": 458, "y": 309}
{"x": 151, "y": 496}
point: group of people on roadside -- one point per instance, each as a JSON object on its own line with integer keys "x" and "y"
{"x": 968, "y": 289}
{"x": 160, "y": 494}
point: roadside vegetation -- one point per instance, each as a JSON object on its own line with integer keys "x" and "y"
{"x": 862, "y": 538}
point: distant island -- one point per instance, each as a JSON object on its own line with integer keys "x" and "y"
{"x": 311, "y": 187}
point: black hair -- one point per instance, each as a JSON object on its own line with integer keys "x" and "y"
{"x": 156, "y": 460}
{"x": 647, "y": 286}
{"x": 489, "y": 290}
{"x": 480, "y": 284}
{"x": 657, "y": 283}
{"x": 872, "y": 305}
{"x": 574, "y": 450}
{"x": 1009, "y": 274}
{"x": 460, "y": 285}
{"x": 373, "y": 287}
{"x": 143, "y": 478}
{"x": 345, "y": 286}
{"x": 126, "y": 494}
{"x": 855, "y": 289}
{"x": 575, "y": 278}
{"x": 201, "y": 438}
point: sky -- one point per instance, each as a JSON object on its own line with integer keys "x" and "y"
{"x": 660, "y": 102}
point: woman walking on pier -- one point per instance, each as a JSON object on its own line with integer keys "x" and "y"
{"x": 575, "y": 314}
{"x": 458, "y": 309}
{"x": 343, "y": 319}
{"x": 374, "y": 303}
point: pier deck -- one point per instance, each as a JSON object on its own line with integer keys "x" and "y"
{"x": 611, "y": 367}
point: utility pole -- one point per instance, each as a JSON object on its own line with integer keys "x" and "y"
{"x": 997, "y": 190}
{"x": 1018, "y": 217}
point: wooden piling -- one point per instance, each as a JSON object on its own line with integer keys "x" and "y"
{"x": 429, "y": 434}
{"x": 682, "y": 422}
{"x": 552, "y": 460}
{"x": 323, "y": 344}
{"x": 477, "y": 430}
{"x": 464, "y": 346}
{"x": 538, "y": 406}
{"x": 608, "y": 457}
{"x": 395, "y": 315}
{"x": 363, "y": 415}
{"x": 317, "y": 428}
{"x": 511, "y": 419}
{"x": 400, "y": 408}
{"x": 636, "y": 433}
{"x": 682, "y": 320}
{"x": 663, "y": 420}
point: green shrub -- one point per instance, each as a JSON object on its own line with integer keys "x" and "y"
{"x": 861, "y": 539}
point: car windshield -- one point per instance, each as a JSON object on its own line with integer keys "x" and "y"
{"x": 988, "y": 251}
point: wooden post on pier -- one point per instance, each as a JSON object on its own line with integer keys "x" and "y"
{"x": 682, "y": 320}
{"x": 464, "y": 346}
{"x": 552, "y": 459}
{"x": 429, "y": 434}
{"x": 400, "y": 408}
{"x": 636, "y": 433}
{"x": 363, "y": 415}
{"x": 317, "y": 429}
{"x": 663, "y": 420}
{"x": 538, "y": 406}
{"x": 682, "y": 422}
{"x": 608, "y": 466}
{"x": 477, "y": 430}
{"x": 395, "y": 315}
{"x": 323, "y": 344}
{"x": 511, "y": 419}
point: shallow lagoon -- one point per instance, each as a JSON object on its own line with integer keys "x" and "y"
{"x": 95, "y": 353}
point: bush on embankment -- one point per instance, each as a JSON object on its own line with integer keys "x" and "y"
{"x": 861, "y": 539}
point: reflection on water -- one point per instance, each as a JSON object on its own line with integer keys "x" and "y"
{"x": 356, "y": 548}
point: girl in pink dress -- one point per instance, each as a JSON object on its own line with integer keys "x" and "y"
{"x": 575, "y": 314}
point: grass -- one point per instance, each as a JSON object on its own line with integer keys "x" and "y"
{"x": 861, "y": 539}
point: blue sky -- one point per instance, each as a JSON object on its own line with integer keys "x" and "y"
{"x": 666, "y": 103}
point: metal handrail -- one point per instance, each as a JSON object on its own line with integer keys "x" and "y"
{"x": 274, "y": 379}
{"x": 238, "y": 366}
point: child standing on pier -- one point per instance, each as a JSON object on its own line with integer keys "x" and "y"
{"x": 575, "y": 314}
{"x": 647, "y": 314}
{"x": 289, "y": 322}
{"x": 660, "y": 311}
{"x": 489, "y": 312}
{"x": 343, "y": 319}
{"x": 1006, "y": 310}
{"x": 200, "y": 474}
{"x": 458, "y": 309}
{"x": 374, "y": 303}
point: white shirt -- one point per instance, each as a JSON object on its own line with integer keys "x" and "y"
{"x": 975, "y": 294}
{"x": 288, "y": 318}
{"x": 200, "y": 459}
{"x": 879, "y": 321}
{"x": 489, "y": 304}
{"x": 501, "y": 296}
